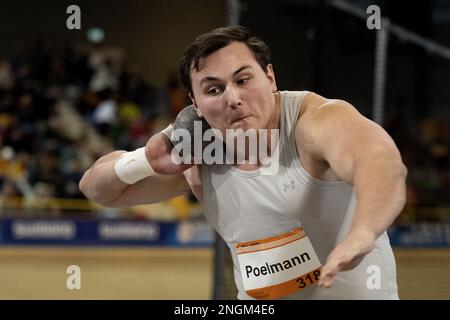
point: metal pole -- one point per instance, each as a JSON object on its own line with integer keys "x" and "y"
{"x": 402, "y": 33}
{"x": 233, "y": 12}
{"x": 379, "y": 83}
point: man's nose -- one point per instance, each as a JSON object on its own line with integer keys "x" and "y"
{"x": 233, "y": 97}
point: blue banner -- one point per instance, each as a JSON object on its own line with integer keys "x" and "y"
{"x": 105, "y": 232}
{"x": 190, "y": 233}
{"x": 420, "y": 235}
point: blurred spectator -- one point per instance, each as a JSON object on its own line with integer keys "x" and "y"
{"x": 178, "y": 97}
{"x": 71, "y": 177}
{"x": 105, "y": 113}
{"x": 103, "y": 77}
{"x": 6, "y": 76}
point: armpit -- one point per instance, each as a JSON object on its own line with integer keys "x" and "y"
{"x": 193, "y": 177}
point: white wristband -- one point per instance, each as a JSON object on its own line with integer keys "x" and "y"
{"x": 133, "y": 166}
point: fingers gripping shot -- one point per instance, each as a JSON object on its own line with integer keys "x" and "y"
{"x": 308, "y": 230}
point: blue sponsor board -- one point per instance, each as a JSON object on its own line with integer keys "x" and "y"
{"x": 189, "y": 233}
{"x": 105, "y": 232}
{"x": 420, "y": 235}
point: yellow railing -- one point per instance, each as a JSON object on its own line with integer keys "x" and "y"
{"x": 424, "y": 213}
{"x": 181, "y": 208}
{"x": 175, "y": 208}
{"x": 48, "y": 203}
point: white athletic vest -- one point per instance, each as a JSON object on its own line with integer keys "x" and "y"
{"x": 245, "y": 205}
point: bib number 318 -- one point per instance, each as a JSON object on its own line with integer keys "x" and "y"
{"x": 308, "y": 279}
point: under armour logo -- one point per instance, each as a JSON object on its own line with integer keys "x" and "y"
{"x": 290, "y": 186}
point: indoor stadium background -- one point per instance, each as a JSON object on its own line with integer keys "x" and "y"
{"x": 70, "y": 96}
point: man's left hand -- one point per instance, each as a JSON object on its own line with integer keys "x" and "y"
{"x": 346, "y": 256}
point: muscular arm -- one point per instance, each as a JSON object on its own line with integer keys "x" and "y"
{"x": 101, "y": 184}
{"x": 361, "y": 153}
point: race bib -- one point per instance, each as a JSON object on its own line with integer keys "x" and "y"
{"x": 278, "y": 266}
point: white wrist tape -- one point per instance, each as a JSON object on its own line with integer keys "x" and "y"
{"x": 133, "y": 166}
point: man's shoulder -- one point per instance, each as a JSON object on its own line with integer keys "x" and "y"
{"x": 314, "y": 104}
{"x": 317, "y": 113}
{"x": 311, "y": 102}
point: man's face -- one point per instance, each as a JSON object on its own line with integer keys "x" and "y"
{"x": 232, "y": 91}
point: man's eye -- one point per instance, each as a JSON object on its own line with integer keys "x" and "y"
{"x": 213, "y": 91}
{"x": 242, "y": 81}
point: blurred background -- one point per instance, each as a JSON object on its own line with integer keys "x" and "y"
{"x": 68, "y": 97}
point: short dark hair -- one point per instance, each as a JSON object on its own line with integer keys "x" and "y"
{"x": 210, "y": 42}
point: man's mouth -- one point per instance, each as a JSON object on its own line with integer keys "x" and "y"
{"x": 240, "y": 119}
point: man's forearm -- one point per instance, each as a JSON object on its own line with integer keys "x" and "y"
{"x": 380, "y": 191}
{"x": 100, "y": 183}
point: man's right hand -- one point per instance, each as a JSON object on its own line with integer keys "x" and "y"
{"x": 158, "y": 151}
{"x": 160, "y": 146}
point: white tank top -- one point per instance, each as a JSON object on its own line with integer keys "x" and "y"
{"x": 246, "y": 205}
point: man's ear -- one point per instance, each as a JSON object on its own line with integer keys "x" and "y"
{"x": 271, "y": 75}
{"x": 199, "y": 113}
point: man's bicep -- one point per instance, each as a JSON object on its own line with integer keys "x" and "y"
{"x": 343, "y": 137}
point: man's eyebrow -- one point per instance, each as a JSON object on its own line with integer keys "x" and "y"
{"x": 209, "y": 78}
{"x": 242, "y": 68}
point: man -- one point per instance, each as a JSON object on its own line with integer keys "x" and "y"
{"x": 340, "y": 182}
